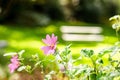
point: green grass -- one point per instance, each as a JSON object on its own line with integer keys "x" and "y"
{"x": 29, "y": 38}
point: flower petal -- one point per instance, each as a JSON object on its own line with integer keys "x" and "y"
{"x": 47, "y": 50}
{"x": 12, "y": 67}
{"x": 45, "y": 41}
{"x": 54, "y": 39}
{"x": 51, "y": 44}
{"x": 14, "y": 63}
{"x": 48, "y": 38}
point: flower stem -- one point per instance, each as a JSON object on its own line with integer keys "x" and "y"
{"x": 117, "y": 34}
{"x": 94, "y": 65}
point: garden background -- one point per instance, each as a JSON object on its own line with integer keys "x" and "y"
{"x": 23, "y": 24}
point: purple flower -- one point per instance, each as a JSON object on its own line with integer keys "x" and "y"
{"x": 51, "y": 43}
{"x": 14, "y": 63}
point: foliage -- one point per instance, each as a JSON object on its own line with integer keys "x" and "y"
{"x": 16, "y": 11}
{"x": 98, "y": 69}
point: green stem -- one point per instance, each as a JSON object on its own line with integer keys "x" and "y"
{"x": 88, "y": 77}
{"x": 94, "y": 64}
{"x": 117, "y": 34}
{"x": 65, "y": 66}
{"x": 118, "y": 64}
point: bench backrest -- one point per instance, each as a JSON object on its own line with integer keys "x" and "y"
{"x": 81, "y": 33}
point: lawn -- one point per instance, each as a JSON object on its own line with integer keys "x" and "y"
{"x": 20, "y": 37}
{"x": 29, "y": 38}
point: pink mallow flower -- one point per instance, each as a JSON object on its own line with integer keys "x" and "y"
{"x": 51, "y": 43}
{"x": 14, "y": 63}
{"x": 62, "y": 68}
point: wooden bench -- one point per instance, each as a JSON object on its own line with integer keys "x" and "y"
{"x": 81, "y": 33}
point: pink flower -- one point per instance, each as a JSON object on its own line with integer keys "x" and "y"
{"x": 62, "y": 68}
{"x": 14, "y": 63}
{"x": 51, "y": 43}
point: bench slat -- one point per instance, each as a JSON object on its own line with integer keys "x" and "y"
{"x": 79, "y": 37}
{"x": 80, "y": 29}
{"x": 81, "y": 33}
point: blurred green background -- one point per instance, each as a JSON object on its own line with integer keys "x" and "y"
{"x": 23, "y": 24}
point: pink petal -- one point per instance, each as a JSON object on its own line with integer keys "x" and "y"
{"x": 14, "y": 63}
{"x": 48, "y": 50}
{"x": 53, "y": 35}
{"x": 45, "y": 41}
{"x": 51, "y": 44}
{"x": 14, "y": 59}
{"x": 54, "y": 38}
{"x": 11, "y": 67}
{"x": 52, "y": 51}
{"x": 48, "y": 38}
{"x": 62, "y": 68}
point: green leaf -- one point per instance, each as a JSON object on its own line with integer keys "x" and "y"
{"x": 77, "y": 72}
{"x": 35, "y": 57}
{"x": 67, "y": 50}
{"x": 87, "y": 52}
{"x": 20, "y": 53}
{"x": 52, "y": 72}
{"x": 21, "y": 68}
{"x": 114, "y": 17}
{"x": 107, "y": 50}
{"x": 38, "y": 63}
{"x": 28, "y": 68}
{"x": 99, "y": 61}
{"x": 10, "y": 54}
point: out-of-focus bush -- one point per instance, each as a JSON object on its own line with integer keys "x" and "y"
{"x": 95, "y": 11}
{"x": 38, "y": 12}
